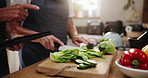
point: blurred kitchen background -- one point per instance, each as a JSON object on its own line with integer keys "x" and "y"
{"x": 95, "y": 18}
{"x": 103, "y": 11}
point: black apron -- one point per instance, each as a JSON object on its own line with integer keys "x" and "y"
{"x": 52, "y": 16}
{"x": 4, "y": 69}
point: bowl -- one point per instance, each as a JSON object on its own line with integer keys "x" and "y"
{"x": 134, "y": 43}
{"x": 131, "y": 72}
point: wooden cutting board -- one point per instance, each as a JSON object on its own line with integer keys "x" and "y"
{"x": 51, "y": 68}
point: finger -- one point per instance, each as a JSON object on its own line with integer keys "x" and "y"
{"x": 13, "y": 15}
{"x": 11, "y": 48}
{"x": 86, "y": 40}
{"x": 23, "y": 12}
{"x": 29, "y": 6}
{"x": 47, "y": 43}
{"x": 22, "y": 15}
{"x": 76, "y": 43}
{"x": 50, "y": 42}
{"x": 21, "y": 45}
{"x": 59, "y": 41}
{"x": 16, "y": 47}
{"x": 52, "y": 47}
{"x": 82, "y": 40}
{"x": 20, "y": 6}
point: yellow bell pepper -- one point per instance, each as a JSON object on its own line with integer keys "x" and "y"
{"x": 145, "y": 50}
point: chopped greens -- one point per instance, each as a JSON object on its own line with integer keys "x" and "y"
{"x": 82, "y": 57}
{"x": 70, "y": 55}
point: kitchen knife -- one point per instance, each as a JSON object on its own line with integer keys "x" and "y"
{"x": 23, "y": 39}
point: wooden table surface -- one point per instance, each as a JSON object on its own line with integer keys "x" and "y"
{"x": 30, "y": 71}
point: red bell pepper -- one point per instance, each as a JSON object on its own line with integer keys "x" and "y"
{"x": 134, "y": 58}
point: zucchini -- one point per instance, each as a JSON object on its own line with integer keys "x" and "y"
{"x": 92, "y": 62}
{"x": 82, "y": 66}
{"x": 79, "y": 61}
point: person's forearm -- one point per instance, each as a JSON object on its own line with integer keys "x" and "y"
{"x": 72, "y": 31}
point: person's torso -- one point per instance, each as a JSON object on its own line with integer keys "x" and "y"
{"x": 2, "y": 32}
{"x": 52, "y": 16}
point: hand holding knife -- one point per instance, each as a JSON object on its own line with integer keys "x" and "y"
{"x": 24, "y": 39}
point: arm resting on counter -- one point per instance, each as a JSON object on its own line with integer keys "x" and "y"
{"x": 73, "y": 34}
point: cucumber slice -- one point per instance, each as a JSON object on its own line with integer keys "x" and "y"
{"x": 88, "y": 64}
{"x": 82, "y": 66}
{"x": 92, "y": 61}
{"x": 79, "y": 61}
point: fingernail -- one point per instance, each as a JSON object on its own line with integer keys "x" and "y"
{"x": 37, "y": 6}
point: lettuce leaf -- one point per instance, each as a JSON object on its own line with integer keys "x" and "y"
{"x": 107, "y": 46}
{"x": 71, "y": 55}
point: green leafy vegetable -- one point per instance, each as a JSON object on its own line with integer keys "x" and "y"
{"x": 72, "y": 55}
{"x": 64, "y": 56}
{"x": 107, "y": 46}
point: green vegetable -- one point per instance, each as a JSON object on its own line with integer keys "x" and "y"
{"x": 79, "y": 61}
{"x": 81, "y": 57}
{"x": 87, "y": 64}
{"x": 82, "y": 66}
{"x": 92, "y": 62}
{"x": 90, "y": 46}
{"x": 107, "y": 46}
{"x": 64, "y": 56}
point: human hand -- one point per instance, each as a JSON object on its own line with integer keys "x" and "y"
{"x": 16, "y": 47}
{"x": 48, "y": 41}
{"x": 16, "y": 12}
{"x": 77, "y": 40}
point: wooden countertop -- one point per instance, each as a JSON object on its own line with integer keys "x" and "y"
{"x": 30, "y": 71}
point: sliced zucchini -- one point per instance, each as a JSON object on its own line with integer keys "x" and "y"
{"x": 79, "y": 61}
{"x": 92, "y": 61}
{"x": 82, "y": 66}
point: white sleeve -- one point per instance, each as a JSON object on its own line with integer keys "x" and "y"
{"x": 71, "y": 9}
{"x": 13, "y": 2}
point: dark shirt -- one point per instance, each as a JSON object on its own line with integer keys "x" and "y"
{"x": 2, "y": 24}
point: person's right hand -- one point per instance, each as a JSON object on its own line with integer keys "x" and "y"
{"x": 17, "y": 12}
{"x": 48, "y": 41}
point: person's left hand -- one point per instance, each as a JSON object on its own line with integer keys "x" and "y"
{"x": 16, "y": 47}
{"x": 77, "y": 40}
